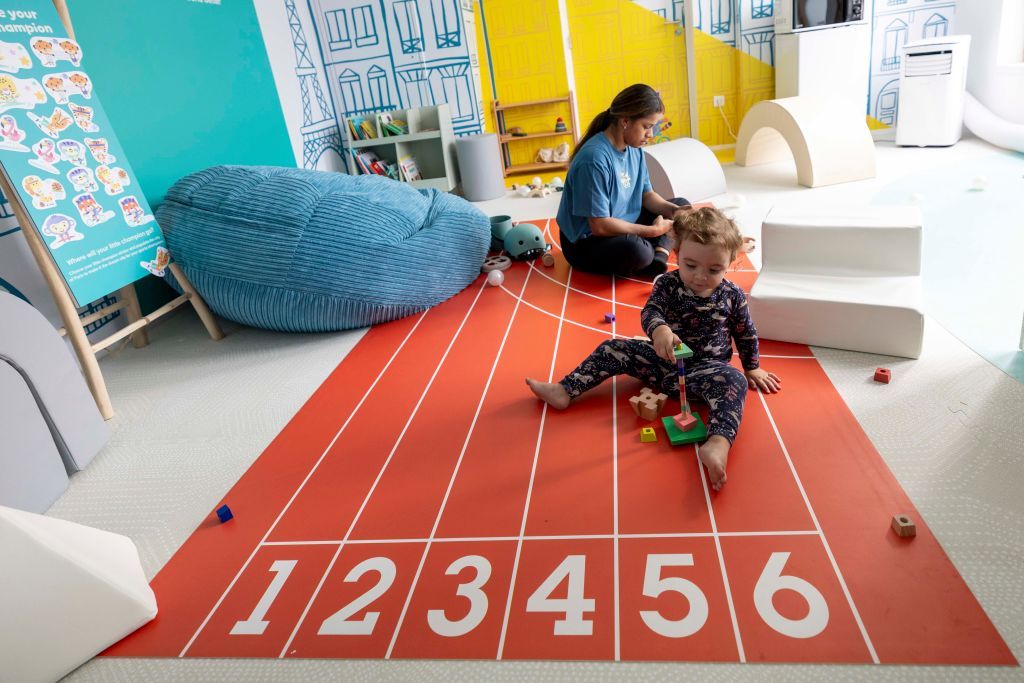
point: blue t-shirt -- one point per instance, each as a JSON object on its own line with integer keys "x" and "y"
{"x": 602, "y": 182}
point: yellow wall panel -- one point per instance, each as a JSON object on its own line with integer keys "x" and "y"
{"x": 742, "y": 79}
{"x": 525, "y": 40}
{"x": 616, "y": 43}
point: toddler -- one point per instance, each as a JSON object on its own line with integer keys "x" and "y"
{"x": 698, "y": 306}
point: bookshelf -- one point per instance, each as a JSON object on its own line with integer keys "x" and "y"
{"x": 552, "y": 108}
{"x": 430, "y": 141}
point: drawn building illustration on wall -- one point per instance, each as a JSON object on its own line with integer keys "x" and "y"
{"x": 320, "y": 130}
{"x": 747, "y": 25}
{"x": 895, "y": 23}
{"x": 399, "y": 54}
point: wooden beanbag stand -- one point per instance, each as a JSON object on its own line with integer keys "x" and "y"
{"x": 829, "y": 141}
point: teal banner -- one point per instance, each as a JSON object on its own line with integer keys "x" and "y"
{"x": 61, "y": 156}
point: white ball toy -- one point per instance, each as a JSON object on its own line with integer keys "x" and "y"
{"x": 979, "y": 183}
{"x": 523, "y": 190}
{"x": 495, "y": 278}
{"x": 536, "y": 180}
{"x": 557, "y": 182}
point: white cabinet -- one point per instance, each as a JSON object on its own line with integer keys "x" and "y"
{"x": 430, "y": 142}
{"x": 830, "y": 62}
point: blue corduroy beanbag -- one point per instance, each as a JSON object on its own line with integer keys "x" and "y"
{"x": 310, "y": 251}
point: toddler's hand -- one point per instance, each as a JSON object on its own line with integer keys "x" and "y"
{"x": 665, "y": 341}
{"x": 766, "y": 381}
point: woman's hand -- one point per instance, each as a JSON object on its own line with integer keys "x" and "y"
{"x": 659, "y": 227}
{"x": 665, "y": 341}
{"x": 767, "y": 382}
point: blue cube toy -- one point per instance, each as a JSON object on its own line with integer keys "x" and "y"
{"x": 224, "y": 513}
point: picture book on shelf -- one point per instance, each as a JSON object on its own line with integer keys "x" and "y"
{"x": 409, "y": 169}
{"x": 370, "y": 163}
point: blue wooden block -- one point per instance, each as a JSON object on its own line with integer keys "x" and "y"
{"x": 224, "y": 513}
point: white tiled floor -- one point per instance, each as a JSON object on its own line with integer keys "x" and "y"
{"x": 192, "y": 416}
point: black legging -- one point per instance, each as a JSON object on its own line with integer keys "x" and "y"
{"x": 618, "y": 255}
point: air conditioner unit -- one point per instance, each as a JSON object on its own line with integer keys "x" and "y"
{"x": 933, "y": 75}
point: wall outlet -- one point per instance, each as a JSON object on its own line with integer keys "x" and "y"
{"x": 718, "y": 101}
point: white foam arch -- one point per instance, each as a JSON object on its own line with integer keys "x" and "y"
{"x": 829, "y": 142}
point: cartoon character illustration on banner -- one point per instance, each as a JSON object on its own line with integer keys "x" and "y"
{"x": 113, "y": 179}
{"x": 100, "y": 150}
{"x": 90, "y": 210}
{"x": 57, "y": 123}
{"x": 46, "y": 156}
{"x": 20, "y": 93}
{"x": 45, "y": 50}
{"x": 63, "y": 85}
{"x": 54, "y": 85}
{"x": 72, "y": 51}
{"x": 133, "y": 212}
{"x": 157, "y": 266}
{"x": 62, "y": 229}
{"x": 50, "y": 50}
{"x": 73, "y": 151}
{"x": 13, "y": 57}
{"x": 45, "y": 193}
{"x": 78, "y": 84}
{"x": 83, "y": 117}
{"x": 82, "y": 179}
{"x": 10, "y": 135}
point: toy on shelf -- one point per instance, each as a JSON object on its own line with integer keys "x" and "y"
{"x": 686, "y": 427}
{"x": 648, "y": 405}
{"x": 557, "y": 183}
{"x": 510, "y": 137}
{"x": 542, "y": 191}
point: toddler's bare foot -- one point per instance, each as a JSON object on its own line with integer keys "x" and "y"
{"x": 715, "y": 454}
{"x": 552, "y": 393}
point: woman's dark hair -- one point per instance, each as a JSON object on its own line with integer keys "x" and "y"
{"x": 635, "y": 102}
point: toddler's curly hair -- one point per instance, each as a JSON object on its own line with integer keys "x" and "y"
{"x": 707, "y": 225}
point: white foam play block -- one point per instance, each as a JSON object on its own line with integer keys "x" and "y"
{"x": 32, "y": 475}
{"x": 846, "y": 278}
{"x": 68, "y": 592}
{"x": 29, "y": 342}
{"x": 686, "y": 168}
{"x": 829, "y": 140}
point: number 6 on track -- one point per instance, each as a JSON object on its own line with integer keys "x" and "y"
{"x": 655, "y": 585}
{"x": 771, "y": 581}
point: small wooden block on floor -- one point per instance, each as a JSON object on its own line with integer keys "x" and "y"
{"x": 904, "y": 527}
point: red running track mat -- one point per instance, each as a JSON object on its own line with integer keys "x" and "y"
{"x": 422, "y": 504}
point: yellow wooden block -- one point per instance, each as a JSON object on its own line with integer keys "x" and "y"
{"x": 647, "y": 435}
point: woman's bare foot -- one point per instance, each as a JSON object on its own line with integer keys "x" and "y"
{"x": 715, "y": 454}
{"x": 552, "y": 393}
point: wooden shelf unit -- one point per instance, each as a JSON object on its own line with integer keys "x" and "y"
{"x": 430, "y": 141}
{"x": 499, "y": 109}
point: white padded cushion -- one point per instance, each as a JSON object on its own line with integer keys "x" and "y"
{"x": 847, "y": 278}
